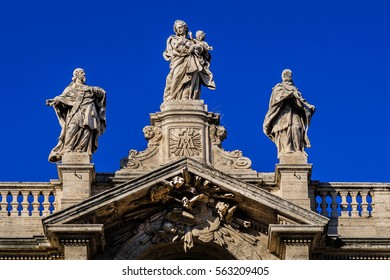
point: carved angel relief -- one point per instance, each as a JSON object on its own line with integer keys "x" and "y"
{"x": 217, "y": 134}
{"x": 152, "y": 134}
{"x": 197, "y": 209}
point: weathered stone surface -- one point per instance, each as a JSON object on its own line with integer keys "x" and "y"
{"x": 293, "y": 181}
{"x": 297, "y": 251}
{"x": 294, "y": 242}
{"x": 189, "y": 64}
{"x": 184, "y": 128}
{"x": 76, "y": 175}
{"x": 184, "y": 196}
{"x": 76, "y": 252}
{"x": 293, "y": 158}
{"x": 81, "y": 111}
{"x": 158, "y": 207}
{"x": 288, "y": 117}
{"x": 76, "y": 158}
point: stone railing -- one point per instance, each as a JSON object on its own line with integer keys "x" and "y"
{"x": 335, "y": 200}
{"x": 27, "y": 199}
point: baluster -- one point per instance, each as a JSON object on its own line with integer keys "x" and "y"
{"x": 10, "y": 204}
{"x": 369, "y": 203}
{"x": 19, "y": 200}
{"x": 359, "y": 201}
{"x": 15, "y": 205}
{"x": 324, "y": 204}
{"x": 354, "y": 205}
{"x": 343, "y": 203}
{"x": 35, "y": 204}
{"x": 52, "y": 200}
{"x": 329, "y": 201}
{"x": 339, "y": 201}
{"x": 45, "y": 204}
{"x": 30, "y": 200}
{"x": 364, "y": 209}
{"x": 25, "y": 204}
{"x": 363, "y": 204}
{"x": 41, "y": 199}
{"x": 349, "y": 208}
{"x": 318, "y": 201}
{"x": 334, "y": 205}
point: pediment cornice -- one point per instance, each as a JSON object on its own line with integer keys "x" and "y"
{"x": 138, "y": 191}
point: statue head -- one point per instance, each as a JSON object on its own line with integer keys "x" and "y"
{"x": 180, "y": 27}
{"x": 222, "y": 208}
{"x": 148, "y": 132}
{"x": 221, "y": 133}
{"x": 79, "y": 74}
{"x": 200, "y": 35}
{"x": 287, "y": 75}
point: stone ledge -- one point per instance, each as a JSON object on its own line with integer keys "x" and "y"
{"x": 293, "y": 158}
{"x": 183, "y": 105}
{"x": 76, "y": 158}
{"x": 279, "y": 235}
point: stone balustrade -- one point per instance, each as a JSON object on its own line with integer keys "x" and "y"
{"x": 354, "y": 209}
{"x": 335, "y": 200}
{"x": 27, "y": 199}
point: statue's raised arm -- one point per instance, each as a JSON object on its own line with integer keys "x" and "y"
{"x": 81, "y": 111}
{"x": 189, "y": 67}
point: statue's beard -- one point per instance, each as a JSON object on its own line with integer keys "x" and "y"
{"x": 79, "y": 79}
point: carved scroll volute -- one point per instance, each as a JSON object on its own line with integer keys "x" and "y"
{"x": 223, "y": 159}
{"x": 148, "y": 157}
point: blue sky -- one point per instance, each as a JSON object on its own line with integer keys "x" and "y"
{"x": 339, "y": 54}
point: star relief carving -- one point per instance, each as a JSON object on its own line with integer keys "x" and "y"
{"x": 185, "y": 142}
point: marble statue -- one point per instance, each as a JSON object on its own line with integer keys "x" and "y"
{"x": 189, "y": 64}
{"x": 81, "y": 111}
{"x": 200, "y": 37}
{"x": 288, "y": 117}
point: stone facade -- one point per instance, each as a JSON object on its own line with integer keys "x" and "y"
{"x": 184, "y": 196}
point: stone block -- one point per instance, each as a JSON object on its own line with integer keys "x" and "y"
{"x": 76, "y": 252}
{"x": 76, "y": 158}
{"x": 293, "y": 181}
{"x": 296, "y": 252}
{"x": 293, "y": 158}
{"x": 77, "y": 175}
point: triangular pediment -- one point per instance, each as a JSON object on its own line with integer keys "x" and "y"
{"x": 133, "y": 198}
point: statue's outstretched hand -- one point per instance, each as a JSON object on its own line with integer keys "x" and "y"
{"x": 51, "y": 102}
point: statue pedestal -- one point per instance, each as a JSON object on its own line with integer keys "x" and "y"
{"x": 293, "y": 158}
{"x": 293, "y": 175}
{"x": 76, "y": 175}
{"x": 184, "y": 129}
